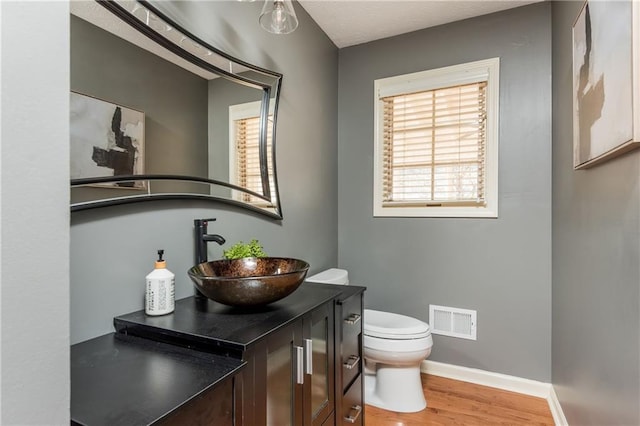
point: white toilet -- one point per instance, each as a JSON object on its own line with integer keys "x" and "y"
{"x": 394, "y": 347}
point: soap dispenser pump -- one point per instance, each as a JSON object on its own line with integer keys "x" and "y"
{"x": 160, "y": 292}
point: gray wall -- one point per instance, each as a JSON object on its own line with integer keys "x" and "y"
{"x": 596, "y": 278}
{"x": 35, "y": 214}
{"x": 500, "y": 267}
{"x": 112, "y": 249}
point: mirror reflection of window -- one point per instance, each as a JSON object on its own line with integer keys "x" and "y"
{"x": 244, "y": 136}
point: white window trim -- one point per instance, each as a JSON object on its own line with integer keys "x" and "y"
{"x": 486, "y": 70}
{"x": 240, "y": 112}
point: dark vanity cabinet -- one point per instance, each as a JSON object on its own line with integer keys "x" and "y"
{"x": 293, "y": 373}
{"x": 301, "y": 356}
{"x": 349, "y": 359}
{"x": 213, "y": 407}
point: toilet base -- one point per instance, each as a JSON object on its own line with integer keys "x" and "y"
{"x": 395, "y": 389}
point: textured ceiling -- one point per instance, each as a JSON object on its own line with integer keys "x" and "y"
{"x": 351, "y": 22}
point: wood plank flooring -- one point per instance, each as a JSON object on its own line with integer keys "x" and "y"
{"x": 451, "y": 402}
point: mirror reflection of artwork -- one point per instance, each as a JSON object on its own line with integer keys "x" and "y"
{"x": 602, "y": 81}
{"x": 106, "y": 140}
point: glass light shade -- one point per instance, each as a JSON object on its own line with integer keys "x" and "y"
{"x": 278, "y": 17}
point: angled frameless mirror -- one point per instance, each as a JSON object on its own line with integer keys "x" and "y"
{"x": 157, "y": 113}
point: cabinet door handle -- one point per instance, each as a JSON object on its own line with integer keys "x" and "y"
{"x": 352, "y": 319}
{"x": 352, "y": 361}
{"x": 308, "y": 349}
{"x": 299, "y": 355}
{"x": 354, "y": 413}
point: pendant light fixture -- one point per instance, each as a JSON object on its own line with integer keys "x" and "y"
{"x": 278, "y": 17}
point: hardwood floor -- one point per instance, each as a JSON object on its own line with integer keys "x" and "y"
{"x": 451, "y": 402}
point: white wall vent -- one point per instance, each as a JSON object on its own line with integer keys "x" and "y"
{"x": 453, "y": 322}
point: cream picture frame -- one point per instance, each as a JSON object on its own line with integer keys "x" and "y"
{"x": 606, "y": 84}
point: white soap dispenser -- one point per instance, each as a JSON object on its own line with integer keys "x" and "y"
{"x": 161, "y": 285}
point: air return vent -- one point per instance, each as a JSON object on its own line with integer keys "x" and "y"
{"x": 453, "y": 322}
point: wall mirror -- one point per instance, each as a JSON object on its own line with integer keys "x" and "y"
{"x": 157, "y": 113}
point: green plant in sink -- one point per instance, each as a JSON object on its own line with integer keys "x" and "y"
{"x": 240, "y": 250}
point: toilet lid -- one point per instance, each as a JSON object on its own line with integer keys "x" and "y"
{"x": 393, "y": 326}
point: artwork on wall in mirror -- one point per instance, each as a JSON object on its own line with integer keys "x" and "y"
{"x": 106, "y": 140}
{"x": 604, "y": 82}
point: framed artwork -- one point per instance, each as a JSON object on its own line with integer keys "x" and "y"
{"x": 605, "y": 82}
{"x": 106, "y": 140}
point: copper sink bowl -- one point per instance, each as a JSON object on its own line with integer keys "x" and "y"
{"x": 251, "y": 281}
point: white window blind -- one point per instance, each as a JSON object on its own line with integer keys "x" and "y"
{"x": 434, "y": 144}
{"x": 248, "y": 158}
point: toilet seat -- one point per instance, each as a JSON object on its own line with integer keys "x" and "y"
{"x": 397, "y": 346}
{"x": 387, "y": 325}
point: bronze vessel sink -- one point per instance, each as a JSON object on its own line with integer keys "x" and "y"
{"x": 250, "y": 281}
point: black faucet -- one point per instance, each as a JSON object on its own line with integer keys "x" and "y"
{"x": 202, "y": 238}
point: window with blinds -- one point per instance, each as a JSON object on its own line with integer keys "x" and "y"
{"x": 436, "y": 143}
{"x": 247, "y": 167}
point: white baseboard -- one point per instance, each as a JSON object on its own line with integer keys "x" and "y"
{"x": 487, "y": 378}
{"x": 556, "y": 409}
{"x": 500, "y": 381}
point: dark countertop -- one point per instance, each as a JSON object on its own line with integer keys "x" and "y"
{"x": 210, "y": 326}
{"x": 153, "y": 366}
{"x": 126, "y": 380}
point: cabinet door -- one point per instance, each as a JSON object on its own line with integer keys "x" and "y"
{"x": 294, "y": 373}
{"x": 319, "y": 365}
{"x": 212, "y": 407}
{"x": 284, "y": 377}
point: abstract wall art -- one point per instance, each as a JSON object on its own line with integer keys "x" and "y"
{"x": 106, "y": 140}
{"x": 605, "y": 77}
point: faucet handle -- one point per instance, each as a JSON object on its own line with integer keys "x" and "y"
{"x": 203, "y": 222}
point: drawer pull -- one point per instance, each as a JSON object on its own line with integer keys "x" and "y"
{"x": 354, "y": 413}
{"x": 352, "y": 361}
{"x": 352, "y": 319}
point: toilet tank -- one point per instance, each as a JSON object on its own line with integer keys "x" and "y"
{"x": 330, "y": 276}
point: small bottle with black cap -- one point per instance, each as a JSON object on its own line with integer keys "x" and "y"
{"x": 161, "y": 284}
